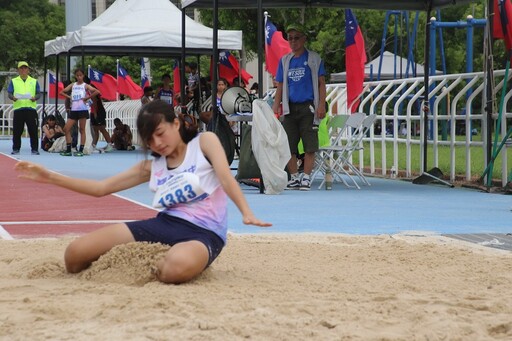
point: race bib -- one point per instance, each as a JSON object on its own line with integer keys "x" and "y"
{"x": 180, "y": 189}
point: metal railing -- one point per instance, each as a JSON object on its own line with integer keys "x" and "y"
{"x": 456, "y": 106}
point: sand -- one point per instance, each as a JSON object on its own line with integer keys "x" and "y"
{"x": 264, "y": 287}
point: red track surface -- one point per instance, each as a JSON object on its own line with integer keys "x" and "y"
{"x": 71, "y": 213}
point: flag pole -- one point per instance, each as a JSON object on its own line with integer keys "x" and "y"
{"x": 267, "y": 81}
{"x": 117, "y": 79}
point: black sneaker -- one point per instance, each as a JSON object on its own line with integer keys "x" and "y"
{"x": 15, "y": 152}
{"x": 35, "y": 152}
{"x": 294, "y": 183}
{"x": 305, "y": 184}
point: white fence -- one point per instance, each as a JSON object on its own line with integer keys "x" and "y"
{"x": 125, "y": 110}
{"x": 457, "y": 103}
{"x": 457, "y": 106}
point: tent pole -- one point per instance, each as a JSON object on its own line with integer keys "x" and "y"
{"x": 435, "y": 173}
{"x": 182, "y": 61}
{"x": 45, "y": 89}
{"x": 215, "y": 62}
{"x": 488, "y": 91}
{"x": 57, "y": 73}
{"x": 426, "y": 78}
{"x": 260, "y": 48}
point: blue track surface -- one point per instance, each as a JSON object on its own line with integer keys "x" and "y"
{"x": 386, "y": 207}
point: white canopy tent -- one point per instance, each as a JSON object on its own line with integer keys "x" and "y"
{"x": 148, "y": 28}
{"x": 393, "y": 67}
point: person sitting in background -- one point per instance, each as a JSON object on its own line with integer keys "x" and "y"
{"x": 148, "y": 95}
{"x": 122, "y": 136}
{"x": 254, "y": 89}
{"x": 51, "y": 132}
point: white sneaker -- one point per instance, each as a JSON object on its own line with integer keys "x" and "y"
{"x": 108, "y": 148}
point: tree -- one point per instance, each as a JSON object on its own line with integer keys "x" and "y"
{"x": 327, "y": 36}
{"x": 25, "y": 26}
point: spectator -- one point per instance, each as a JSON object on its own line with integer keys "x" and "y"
{"x": 99, "y": 123}
{"x": 81, "y": 94}
{"x": 193, "y": 79}
{"x": 148, "y": 95}
{"x": 74, "y": 129}
{"x": 254, "y": 89}
{"x": 206, "y": 116}
{"x": 51, "y": 132}
{"x": 206, "y": 89}
{"x": 24, "y": 91}
{"x": 122, "y": 136}
{"x": 301, "y": 91}
{"x": 165, "y": 92}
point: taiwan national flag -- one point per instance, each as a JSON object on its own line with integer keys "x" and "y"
{"x": 144, "y": 77}
{"x": 53, "y": 88}
{"x": 229, "y": 68}
{"x": 126, "y": 85}
{"x": 502, "y": 25}
{"x": 275, "y": 46}
{"x": 105, "y": 83}
{"x": 355, "y": 58}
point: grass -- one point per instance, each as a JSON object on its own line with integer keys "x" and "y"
{"x": 476, "y": 152}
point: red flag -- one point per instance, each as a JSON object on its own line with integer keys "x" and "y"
{"x": 275, "y": 47}
{"x": 355, "y": 58}
{"x": 53, "y": 88}
{"x": 126, "y": 85}
{"x": 105, "y": 83}
{"x": 502, "y": 24}
{"x": 176, "y": 74}
{"x": 229, "y": 68}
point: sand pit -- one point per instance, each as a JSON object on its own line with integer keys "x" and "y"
{"x": 264, "y": 287}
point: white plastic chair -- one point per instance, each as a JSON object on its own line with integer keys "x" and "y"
{"x": 333, "y": 158}
{"x": 342, "y": 158}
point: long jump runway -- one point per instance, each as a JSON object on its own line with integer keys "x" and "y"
{"x": 33, "y": 210}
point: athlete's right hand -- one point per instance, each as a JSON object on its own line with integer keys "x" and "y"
{"x": 32, "y": 171}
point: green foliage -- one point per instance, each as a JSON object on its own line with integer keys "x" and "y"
{"x": 326, "y": 28}
{"x": 25, "y": 25}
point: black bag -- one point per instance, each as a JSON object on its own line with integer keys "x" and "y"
{"x": 226, "y": 136}
{"x": 247, "y": 166}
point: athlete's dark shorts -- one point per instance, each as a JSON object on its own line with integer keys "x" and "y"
{"x": 76, "y": 115}
{"x": 99, "y": 119}
{"x": 171, "y": 230}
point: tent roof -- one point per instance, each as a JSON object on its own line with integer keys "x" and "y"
{"x": 367, "y": 4}
{"x": 388, "y": 69}
{"x": 141, "y": 27}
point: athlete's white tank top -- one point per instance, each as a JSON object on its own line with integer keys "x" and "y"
{"x": 208, "y": 211}
{"x": 78, "y": 92}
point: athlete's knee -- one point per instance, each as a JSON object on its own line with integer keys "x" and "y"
{"x": 74, "y": 258}
{"x": 176, "y": 272}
